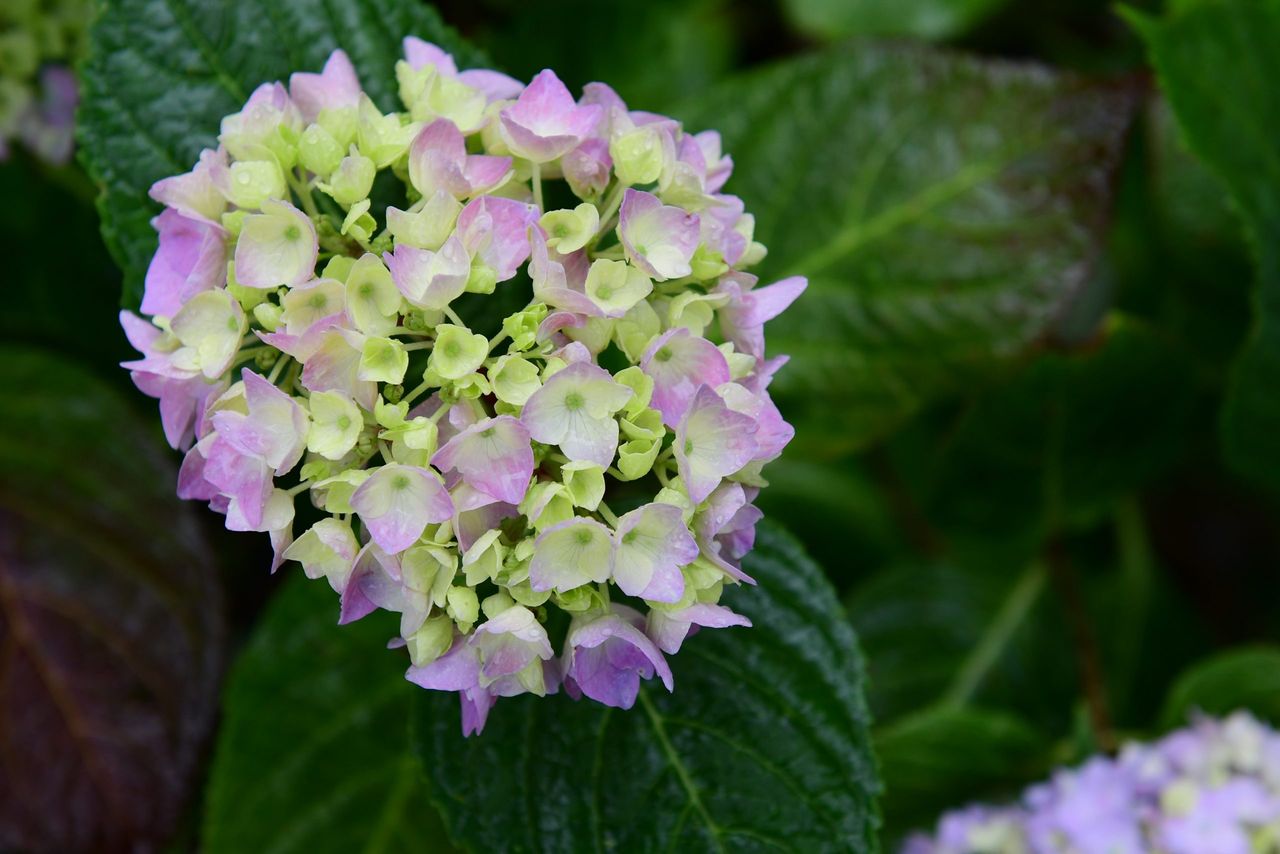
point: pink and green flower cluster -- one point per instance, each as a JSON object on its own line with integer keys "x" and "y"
{"x": 1212, "y": 788}
{"x": 314, "y": 306}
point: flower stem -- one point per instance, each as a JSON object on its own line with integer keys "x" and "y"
{"x": 537, "y": 186}
{"x": 303, "y": 192}
{"x": 277, "y": 368}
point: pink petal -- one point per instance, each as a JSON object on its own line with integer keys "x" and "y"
{"x": 397, "y": 503}
{"x": 712, "y": 442}
{"x": 192, "y": 257}
{"x": 494, "y": 456}
{"x": 659, "y": 239}
{"x": 680, "y": 363}
{"x": 497, "y": 230}
{"x": 335, "y": 87}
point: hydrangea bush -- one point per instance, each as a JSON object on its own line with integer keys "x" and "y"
{"x": 313, "y": 311}
{"x": 39, "y": 42}
{"x": 1212, "y": 788}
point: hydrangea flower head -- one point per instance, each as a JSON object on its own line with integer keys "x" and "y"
{"x": 1212, "y": 787}
{"x": 594, "y": 453}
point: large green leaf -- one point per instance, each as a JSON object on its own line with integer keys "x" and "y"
{"x": 1218, "y": 63}
{"x": 111, "y": 624}
{"x": 945, "y": 209}
{"x": 763, "y": 745}
{"x": 162, "y": 74}
{"x": 930, "y": 19}
{"x": 314, "y": 752}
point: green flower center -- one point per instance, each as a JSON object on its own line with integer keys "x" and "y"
{"x": 573, "y": 400}
{"x": 583, "y": 536}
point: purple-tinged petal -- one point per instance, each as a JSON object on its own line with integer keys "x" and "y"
{"x": 668, "y": 629}
{"x": 587, "y": 168}
{"x": 427, "y": 279}
{"x": 494, "y": 456}
{"x": 659, "y": 239}
{"x": 510, "y": 642}
{"x": 712, "y": 442}
{"x": 544, "y": 122}
{"x": 194, "y": 194}
{"x": 679, "y": 364}
{"x": 397, "y": 503}
{"x": 419, "y": 54}
{"x": 192, "y": 258}
{"x": 495, "y": 85}
{"x": 742, "y": 319}
{"x": 497, "y": 230}
{"x": 606, "y": 656}
{"x": 650, "y": 545}
{"x": 772, "y": 433}
{"x": 333, "y": 88}
{"x": 334, "y": 365}
{"x": 438, "y": 160}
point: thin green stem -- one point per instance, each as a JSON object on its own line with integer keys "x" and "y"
{"x": 996, "y": 639}
{"x": 608, "y": 514}
{"x": 303, "y": 192}
{"x": 305, "y": 485}
{"x": 277, "y": 368}
{"x": 537, "y": 186}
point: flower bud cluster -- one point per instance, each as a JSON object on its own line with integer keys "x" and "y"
{"x": 326, "y": 318}
{"x": 1212, "y": 787}
{"x": 39, "y": 42}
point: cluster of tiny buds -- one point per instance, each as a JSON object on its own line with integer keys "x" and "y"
{"x": 1212, "y": 788}
{"x": 330, "y": 313}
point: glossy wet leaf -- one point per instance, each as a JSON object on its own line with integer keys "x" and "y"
{"x": 946, "y": 210}
{"x": 163, "y": 73}
{"x": 763, "y": 745}
{"x": 313, "y": 754}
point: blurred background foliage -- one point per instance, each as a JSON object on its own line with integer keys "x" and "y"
{"x": 1026, "y": 508}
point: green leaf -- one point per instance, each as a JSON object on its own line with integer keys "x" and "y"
{"x": 944, "y": 757}
{"x": 764, "y": 743}
{"x": 314, "y": 754}
{"x": 945, "y": 209}
{"x": 162, "y": 74}
{"x": 1218, "y": 63}
{"x": 1238, "y": 679}
{"x": 111, "y": 620}
{"x": 927, "y": 19}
